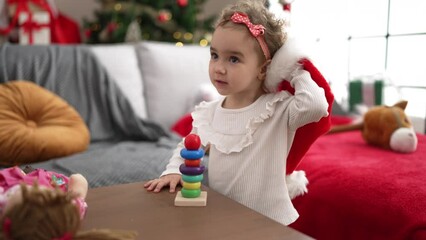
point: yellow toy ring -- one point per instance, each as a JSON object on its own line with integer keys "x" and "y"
{"x": 191, "y": 186}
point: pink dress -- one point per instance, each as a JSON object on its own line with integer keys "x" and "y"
{"x": 11, "y": 178}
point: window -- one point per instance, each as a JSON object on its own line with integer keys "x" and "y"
{"x": 353, "y": 38}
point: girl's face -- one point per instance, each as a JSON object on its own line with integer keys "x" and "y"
{"x": 236, "y": 63}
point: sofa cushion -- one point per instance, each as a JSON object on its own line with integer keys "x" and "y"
{"x": 37, "y": 125}
{"x": 120, "y": 61}
{"x": 172, "y": 76}
{"x": 76, "y": 75}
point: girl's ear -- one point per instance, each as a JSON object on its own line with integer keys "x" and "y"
{"x": 262, "y": 74}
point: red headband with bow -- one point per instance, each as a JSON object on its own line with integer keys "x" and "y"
{"x": 256, "y": 30}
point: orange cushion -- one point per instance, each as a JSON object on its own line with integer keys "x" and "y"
{"x": 37, "y": 125}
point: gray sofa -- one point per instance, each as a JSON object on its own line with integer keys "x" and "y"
{"x": 129, "y": 96}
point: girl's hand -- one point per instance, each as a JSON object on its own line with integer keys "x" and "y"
{"x": 78, "y": 185}
{"x": 156, "y": 185}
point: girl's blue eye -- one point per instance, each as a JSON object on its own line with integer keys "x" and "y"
{"x": 234, "y": 59}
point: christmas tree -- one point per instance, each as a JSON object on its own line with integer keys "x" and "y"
{"x": 160, "y": 20}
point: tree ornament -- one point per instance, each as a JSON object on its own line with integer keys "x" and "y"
{"x": 111, "y": 27}
{"x": 182, "y": 3}
{"x": 164, "y": 16}
{"x": 158, "y": 21}
{"x": 87, "y": 33}
{"x": 134, "y": 33}
{"x": 104, "y": 35}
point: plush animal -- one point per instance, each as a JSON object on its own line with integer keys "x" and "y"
{"x": 387, "y": 127}
{"x": 40, "y": 204}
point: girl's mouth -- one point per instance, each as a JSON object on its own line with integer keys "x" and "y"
{"x": 220, "y": 82}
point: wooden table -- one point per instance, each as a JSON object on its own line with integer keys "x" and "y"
{"x": 154, "y": 216}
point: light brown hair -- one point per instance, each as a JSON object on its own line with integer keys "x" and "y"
{"x": 47, "y": 214}
{"x": 258, "y": 14}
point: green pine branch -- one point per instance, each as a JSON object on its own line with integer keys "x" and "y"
{"x": 112, "y": 21}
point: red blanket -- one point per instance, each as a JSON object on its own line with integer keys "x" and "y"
{"x": 357, "y": 191}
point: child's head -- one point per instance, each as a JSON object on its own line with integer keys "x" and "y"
{"x": 258, "y": 14}
{"x": 41, "y": 213}
{"x": 245, "y": 39}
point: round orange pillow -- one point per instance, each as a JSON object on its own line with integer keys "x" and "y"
{"x": 37, "y": 125}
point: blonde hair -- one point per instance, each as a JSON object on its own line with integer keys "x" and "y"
{"x": 258, "y": 14}
{"x": 45, "y": 215}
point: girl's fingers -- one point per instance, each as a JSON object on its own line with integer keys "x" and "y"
{"x": 160, "y": 185}
{"x": 173, "y": 185}
{"x": 157, "y": 184}
{"x": 174, "y": 182}
{"x": 151, "y": 185}
{"x": 147, "y": 184}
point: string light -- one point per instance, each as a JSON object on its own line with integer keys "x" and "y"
{"x": 146, "y": 35}
{"x": 188, "y": 36}
{"x": 177, "y": 35}
{"x": 117, "y": 7}
{"x": 204, "y": 42}
{"x": 179, "y": 44}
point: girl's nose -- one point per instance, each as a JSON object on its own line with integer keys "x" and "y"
{"x": 219, "y": 68}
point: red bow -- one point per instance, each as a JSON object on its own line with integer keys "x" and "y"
{"x": 22, "y": 6}
{"x": 29, "y": 26}
{"x": 255, "y": 30}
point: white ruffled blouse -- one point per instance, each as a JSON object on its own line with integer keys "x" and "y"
{"x": 249, "y": 146}
{"x": 231, "y": 130}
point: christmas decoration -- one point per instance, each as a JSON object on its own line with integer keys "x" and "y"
{"x": 133, "y": 33}
{"x": 287, "y": 12}
{"x": 176, "y": 21}
{"x": 164, "y": 16}
{"x": 35, "y": 28}
{"x": 35, "y": 22}
{"x": 365, "y": 92}
{"x": 286, "y": 4}
{"x": 182, "y": 3}
{"x": 28, "y": 22}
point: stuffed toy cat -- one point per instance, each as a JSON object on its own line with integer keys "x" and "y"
{"x": 387, "y": 127}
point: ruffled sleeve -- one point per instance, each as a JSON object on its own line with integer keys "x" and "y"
{"x": 210, "y": 132}
{"x": 309, "y": 103}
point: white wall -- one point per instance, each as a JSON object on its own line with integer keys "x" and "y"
{"x": 78, "y": 9}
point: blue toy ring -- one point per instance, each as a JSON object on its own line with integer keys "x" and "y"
{"x": 191, "y": 154}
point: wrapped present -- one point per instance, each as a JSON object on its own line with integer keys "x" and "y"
{"x": 17, "y": 14}
{"x": 26, "y": 20}
{"x": 367, "y": 93}
{"x": 34, "y": 28}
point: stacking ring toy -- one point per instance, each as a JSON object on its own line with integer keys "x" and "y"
{"x": 192, "y": 186}
{"x": 189, "y": 193}
{"x": 191, "y": 154}
{"x": 191, "y": 171}
{"x": 192, "y": 142}
{"x": 192, "y": 179}
{"x": 193, "y": 163}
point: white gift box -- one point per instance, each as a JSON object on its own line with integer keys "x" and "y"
{"x": 35, "y": 30}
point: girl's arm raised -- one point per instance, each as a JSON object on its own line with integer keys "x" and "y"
{"x": 309, "y": 104}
